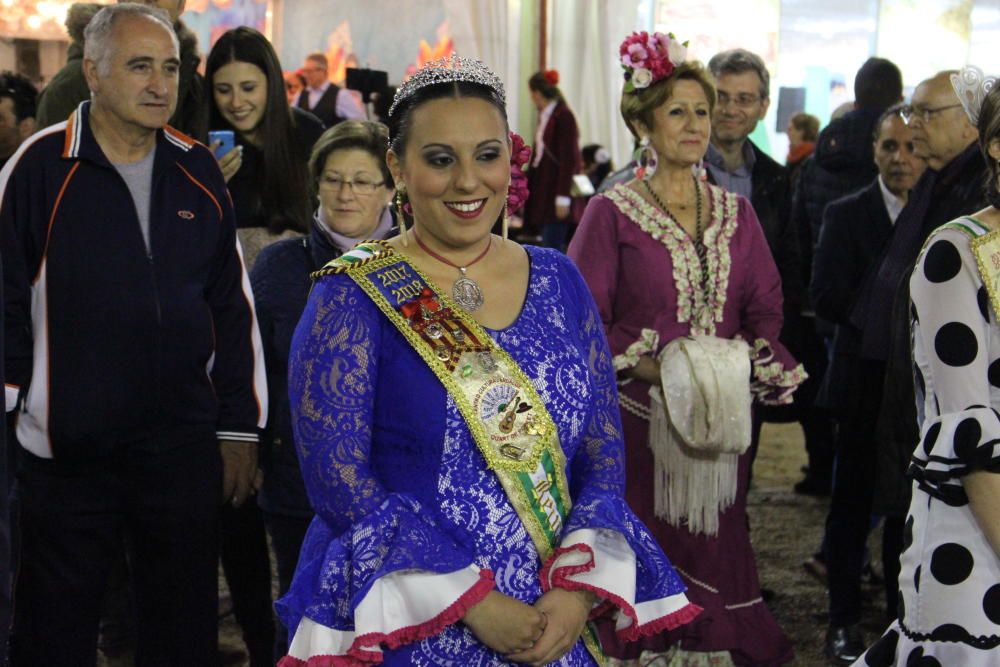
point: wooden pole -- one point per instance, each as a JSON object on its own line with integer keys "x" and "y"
{"x": 543, "y": 29}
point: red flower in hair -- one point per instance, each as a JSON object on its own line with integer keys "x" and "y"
{"x": 520, "y": 154}
{"x": 551, "y": 77}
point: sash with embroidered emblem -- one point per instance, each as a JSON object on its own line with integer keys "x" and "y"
{"x": 507, "y": 418}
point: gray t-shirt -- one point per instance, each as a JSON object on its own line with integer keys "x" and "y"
{"x": 139, "y": 178}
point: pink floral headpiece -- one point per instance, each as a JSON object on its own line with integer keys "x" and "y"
{"x": 520, "y": 154}
{"x": 648, "y": 58}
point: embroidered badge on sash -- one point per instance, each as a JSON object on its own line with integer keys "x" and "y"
{"x": 986, "y": 249}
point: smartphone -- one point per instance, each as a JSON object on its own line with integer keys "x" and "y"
{"x": 226, "y": 139}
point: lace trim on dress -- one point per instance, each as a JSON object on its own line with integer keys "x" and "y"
{"x": 772, "y": 384}
{"x": 647, "y": 342}
{"x": 702, "y": 307}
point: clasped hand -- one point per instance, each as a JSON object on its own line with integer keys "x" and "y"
{"x": 535, "y": 635}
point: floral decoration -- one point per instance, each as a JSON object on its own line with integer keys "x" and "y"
{"x": 520, "y": 155}
{"x": 648, "y": 58}
{"x": 551, "y": 77}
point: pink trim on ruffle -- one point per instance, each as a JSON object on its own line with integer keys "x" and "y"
{"x": 560, "y": 579}
{"x": 358, "y": 657}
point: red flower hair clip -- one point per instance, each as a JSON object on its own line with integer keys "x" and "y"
{"x": 520, "y": 154}
{"x": 551, "y": 77}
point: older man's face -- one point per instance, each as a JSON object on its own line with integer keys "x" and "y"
{"x": 940, "y": 127}
{"x": 137, "y": 85}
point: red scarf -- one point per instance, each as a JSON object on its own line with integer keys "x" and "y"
{"x": 800, "y": 152}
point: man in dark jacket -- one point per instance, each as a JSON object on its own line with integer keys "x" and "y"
{"x": 843, "y": 163}
{"x": 69, "y": 87}
{"x": 855, "y": 229}
{"x": 133, "y": 348}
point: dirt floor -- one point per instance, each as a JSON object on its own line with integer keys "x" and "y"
{"x": 786, "y": 528}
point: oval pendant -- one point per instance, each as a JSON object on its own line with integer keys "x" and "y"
{"x": 467, "y": 294}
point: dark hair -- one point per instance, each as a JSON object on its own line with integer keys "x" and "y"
{"x": 21, "y": 91}
{"x": 989, "y": 131}
{"x": 878, "y": 85}
{"x": 282, "y": 187}
{"x": 538, "y": 83}
{"x": 737, "y": 61}
{"x": 641, "y": 104}
{"x": 400, "y": 120}
{"x": 894, "y": 110}
{"x": 365, "y": 135}
{"x": 807, "y": 124}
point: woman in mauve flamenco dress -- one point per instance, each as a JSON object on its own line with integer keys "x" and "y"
{"x": 669, "y": 255}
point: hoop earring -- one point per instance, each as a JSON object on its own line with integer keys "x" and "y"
{"x": 505, "y": 225}
{"x": 401, "y": 214}
{"x": 645, "y": 159}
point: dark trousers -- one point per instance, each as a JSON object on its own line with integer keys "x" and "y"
{"x": 247, "y": 566}
{"x": 287, "y": 534}
{"x": 73, "y": 518}
{"x": 851, "y": 501}
{"x": 817, "y": 424}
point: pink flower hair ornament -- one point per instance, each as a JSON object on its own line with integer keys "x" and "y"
{"x": 520, "y": 155}
{"x": 648, "y": 58}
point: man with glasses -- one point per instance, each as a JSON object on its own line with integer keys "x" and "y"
{"x": 738, "y": 165}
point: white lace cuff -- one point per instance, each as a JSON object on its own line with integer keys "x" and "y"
{"x": 647, "y": 343}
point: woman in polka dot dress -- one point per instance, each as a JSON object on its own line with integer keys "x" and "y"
{"x": 949, "y": 607}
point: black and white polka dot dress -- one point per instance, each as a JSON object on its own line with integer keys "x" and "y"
{"x": 950, "y": 576}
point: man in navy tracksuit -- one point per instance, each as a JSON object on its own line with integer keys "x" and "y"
{"x": 133, "y": 358}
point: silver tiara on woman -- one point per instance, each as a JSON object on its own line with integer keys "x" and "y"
{"x": 452, "y": 69}
{"x": 972, "y": 86}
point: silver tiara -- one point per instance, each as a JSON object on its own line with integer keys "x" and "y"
{"x": 449, "y": 70}
{"x": 972, "y": 86}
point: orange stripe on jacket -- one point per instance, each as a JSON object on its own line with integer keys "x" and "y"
{"x": 199, "y": 184}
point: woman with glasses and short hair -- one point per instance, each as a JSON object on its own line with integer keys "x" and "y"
{"x": 348, "y": 169}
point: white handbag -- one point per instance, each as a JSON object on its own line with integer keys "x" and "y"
{"x": 700, "y": 423}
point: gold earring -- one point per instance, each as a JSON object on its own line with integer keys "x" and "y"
{"x": 401, "y": 214}
{"x": 505, "y": 225}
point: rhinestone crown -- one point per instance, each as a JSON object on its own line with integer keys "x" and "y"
{"x": 449, "y": 70}
{"x": 972, "y": 86}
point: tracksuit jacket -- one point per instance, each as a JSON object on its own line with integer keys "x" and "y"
{"x": 109, "y": 343}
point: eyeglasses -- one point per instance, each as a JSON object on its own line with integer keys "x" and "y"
{"x": 359, "y": 186}
{"x": 909, "y": 112}
{"x": 743, "y": 100}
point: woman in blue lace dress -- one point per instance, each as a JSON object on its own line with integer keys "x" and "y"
{"x": 462, "y": 447}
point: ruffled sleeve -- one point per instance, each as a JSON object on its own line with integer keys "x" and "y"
{"x": 951, "y": 338}
{"x": 776, "y": 373}
{"x": 605, "y": 548}
{"x": 376, "y": 568}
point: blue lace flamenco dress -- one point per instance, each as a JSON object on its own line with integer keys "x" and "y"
{"x": 412, "y": 529}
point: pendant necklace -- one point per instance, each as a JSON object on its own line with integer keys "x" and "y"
{"x": 701, "y": 250}
{"x": 465, "y": 291}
